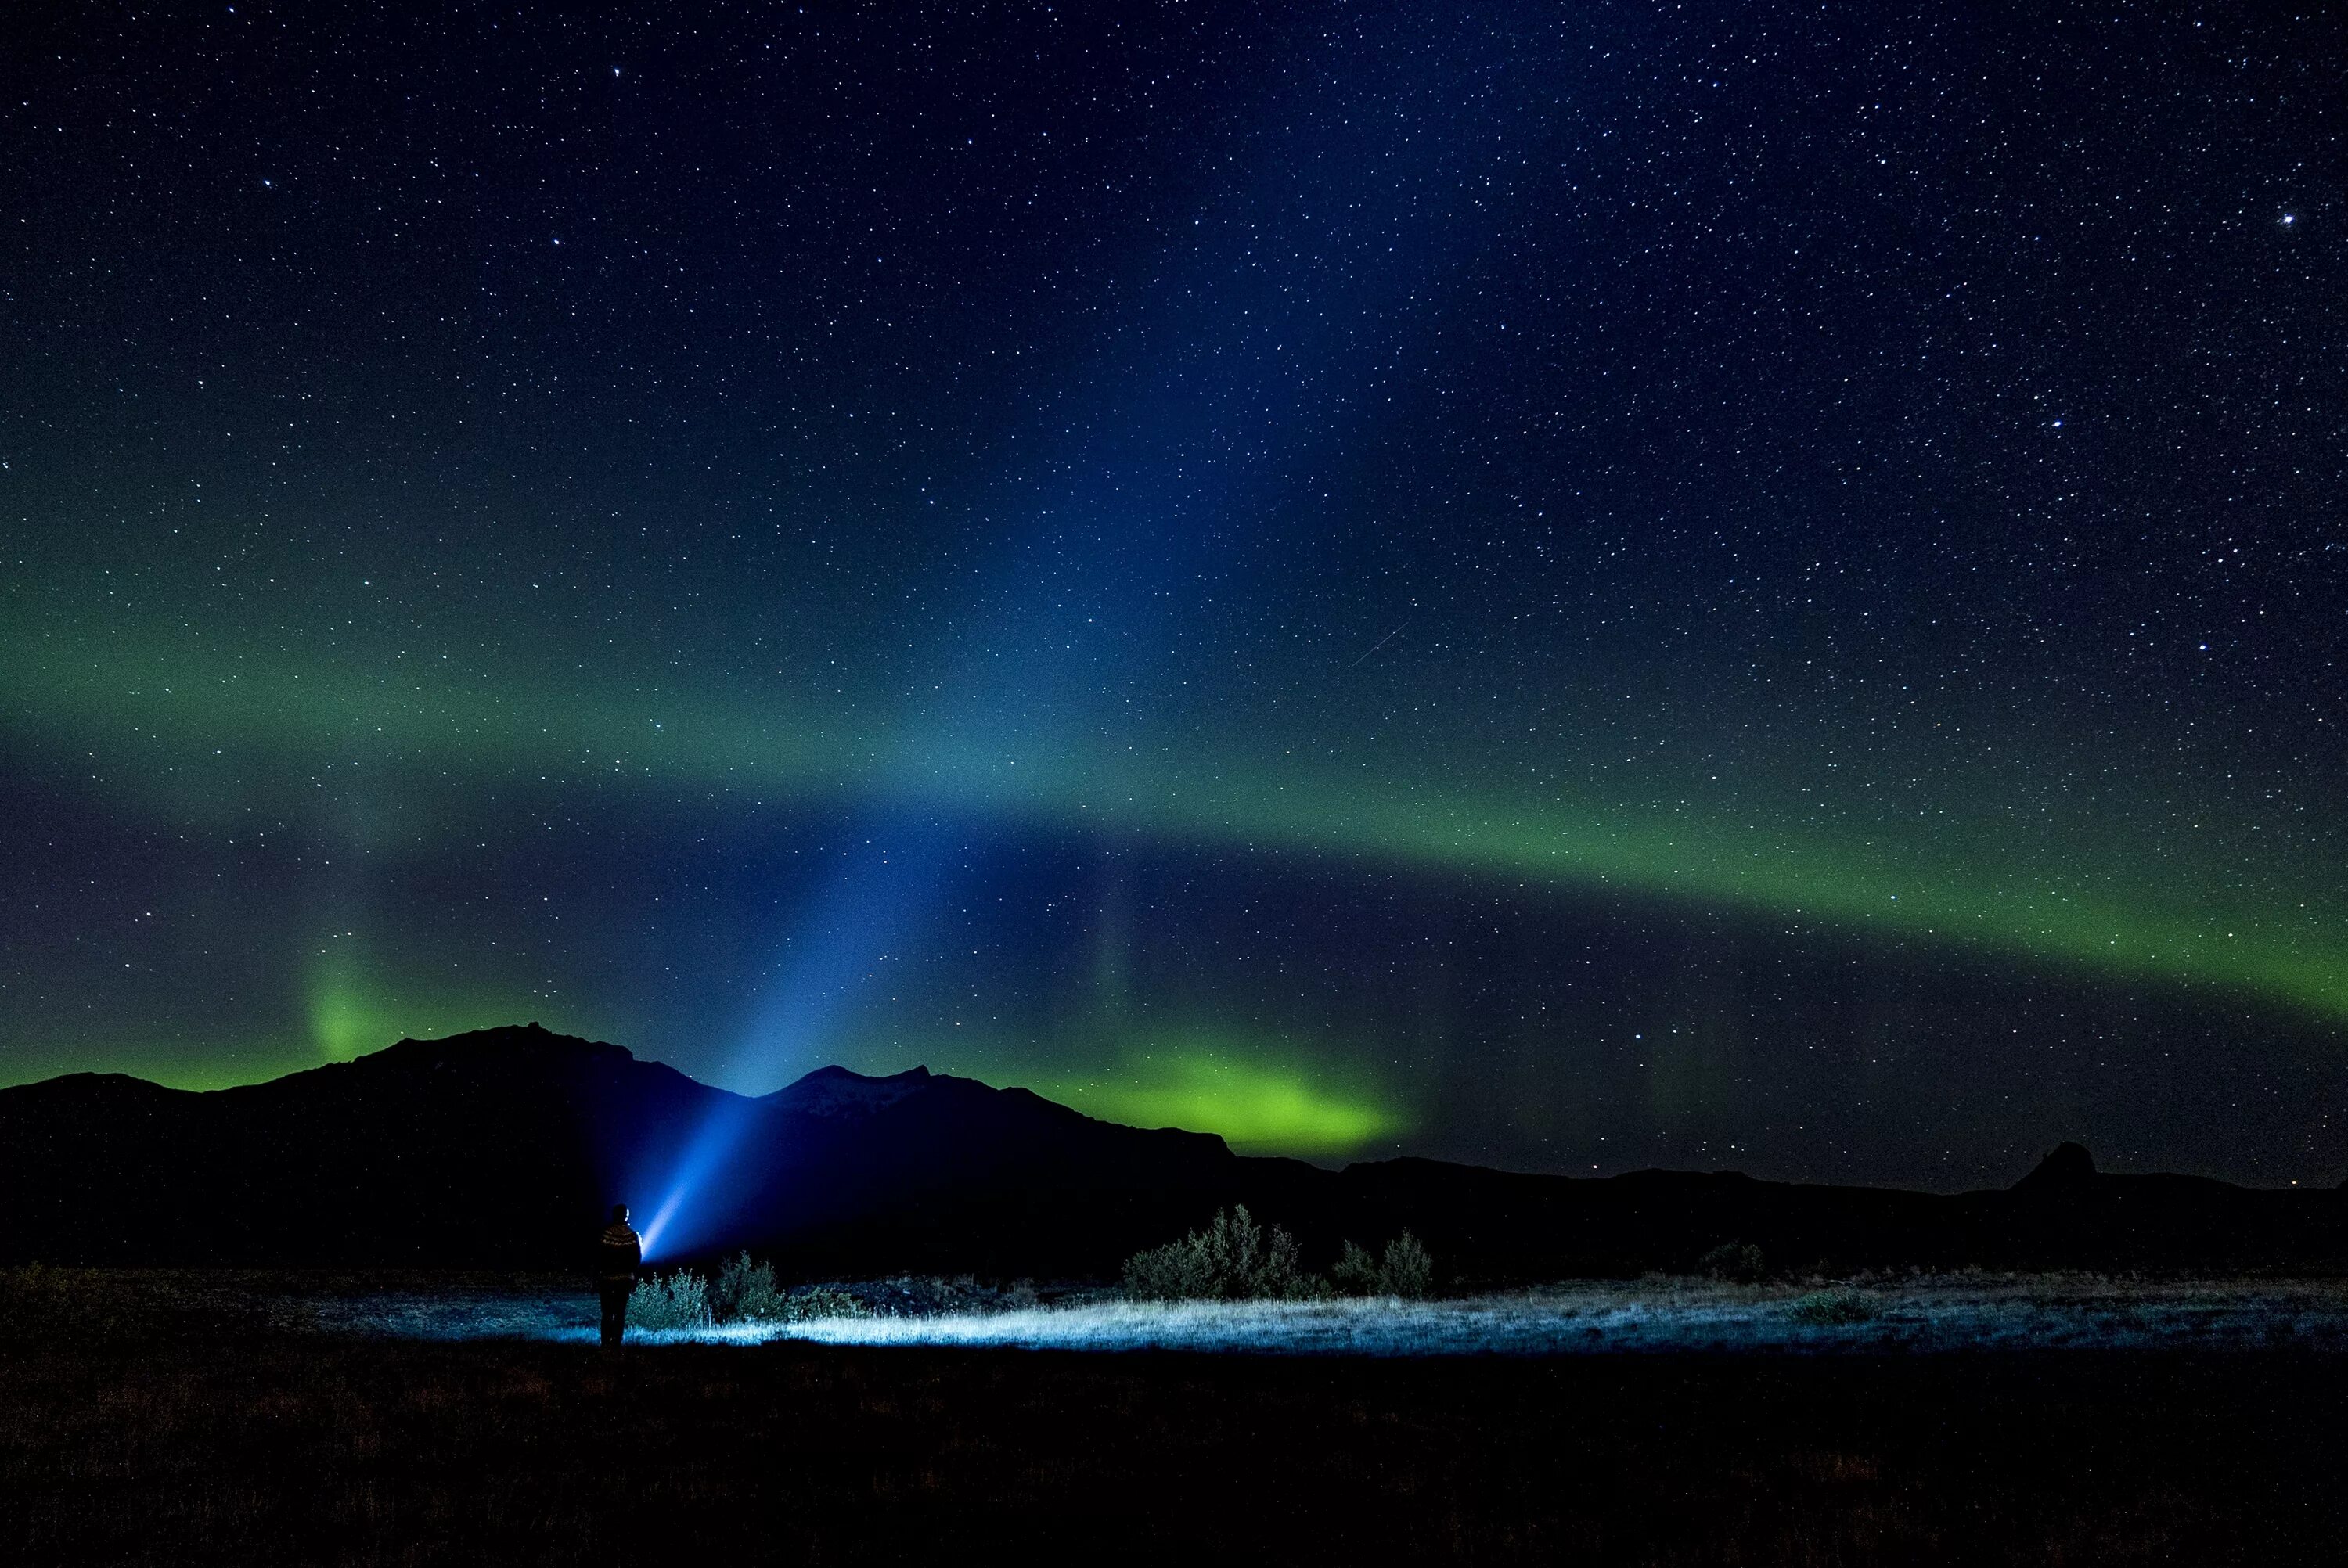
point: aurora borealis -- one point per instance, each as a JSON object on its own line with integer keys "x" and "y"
{"x": 1569, "y": 588}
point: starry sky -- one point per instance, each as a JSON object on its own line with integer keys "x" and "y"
{"x": 1570, "y": 586}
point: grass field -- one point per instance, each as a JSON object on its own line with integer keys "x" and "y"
{"x": 1916, "y": 1313}
{"x": 243, "y": 1437}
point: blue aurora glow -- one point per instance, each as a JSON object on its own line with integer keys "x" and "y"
{"x": 1271, "y": 316}
{"x": 844, "y": 944}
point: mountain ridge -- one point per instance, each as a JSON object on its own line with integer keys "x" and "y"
{"x": 501, "y": 1147}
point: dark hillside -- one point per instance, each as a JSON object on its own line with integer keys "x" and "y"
{"x": 501, "y": 1149}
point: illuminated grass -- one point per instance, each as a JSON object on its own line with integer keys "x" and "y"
{"x": 2021, "y": 1313}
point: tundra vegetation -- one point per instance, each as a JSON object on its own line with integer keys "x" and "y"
{"x": 297, "y": 1449}
{"x": 744, "y": 1291}
{"x": 1233, "y": 1258}
{"x": 1837, "y": 1306}
{"x": 1733, "y": 1260}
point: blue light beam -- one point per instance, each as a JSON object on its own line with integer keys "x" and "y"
{"x": 853, "y": 931}
{"x": 1269, "y": 316}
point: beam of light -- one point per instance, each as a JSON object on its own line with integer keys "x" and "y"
{"x": 844, "y": 942}
{"x": 1270, "y": 319}
{"x": 684, "y": 1184}
{"x": 1165, "y": 453}
{"x": 1178, "y": 447}
{"x": 842, "y": 945}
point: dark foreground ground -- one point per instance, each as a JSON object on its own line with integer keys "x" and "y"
{"x": 307, "y": 1449}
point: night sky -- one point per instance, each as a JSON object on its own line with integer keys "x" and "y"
{"x": 1570, "y": 586}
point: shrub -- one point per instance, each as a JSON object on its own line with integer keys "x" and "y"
{"x": 746, "y": 1292}
{"x": 1842, "y": 1304}
{"x": 1179, "y": 1271}
{"x": 679, "y": 1301}
{"x": 1737, "y": 1260}
{"x": 1356, "y": 1273}
{"x": 1231, "y": 1260}
{"x": 1232, "y": 1248}
{"x": 1407, "y": 1269}
{"x": 1280, "y": 1273}
{"x": 812, "y": 1301}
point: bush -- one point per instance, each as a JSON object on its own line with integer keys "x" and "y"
{"x": 1356, "y": 1273}
{"x": 1175, "y": 1272}
{"x": 746, "y": 1292}
{"x": 812, "y": 1301}
{"x": 1406, "y": 1270}
{"x": 1840, "y": 1305}
{"x": 679, "y": 1301}
{"x": 1235, "y": 1259}
{"x": 1280, "y": 1274}
{"x": 1737, "y": 1260}
{"x": 1231, "y": 1260}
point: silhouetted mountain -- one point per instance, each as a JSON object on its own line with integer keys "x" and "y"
{"x": 504, "y": 1146}
{"x": 2068, "y": 1169}
{"x": 501, "y": 1148}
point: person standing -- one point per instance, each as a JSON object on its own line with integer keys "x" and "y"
{"x": 623, "y": 1253}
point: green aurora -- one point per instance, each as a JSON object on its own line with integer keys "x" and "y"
{"x": 1261, "y": 1093}
{"x": 186, "y": 731}
{"x": 1566, "y": 588}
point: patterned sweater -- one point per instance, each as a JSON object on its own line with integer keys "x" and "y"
{"x": 623, "y": 1253}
